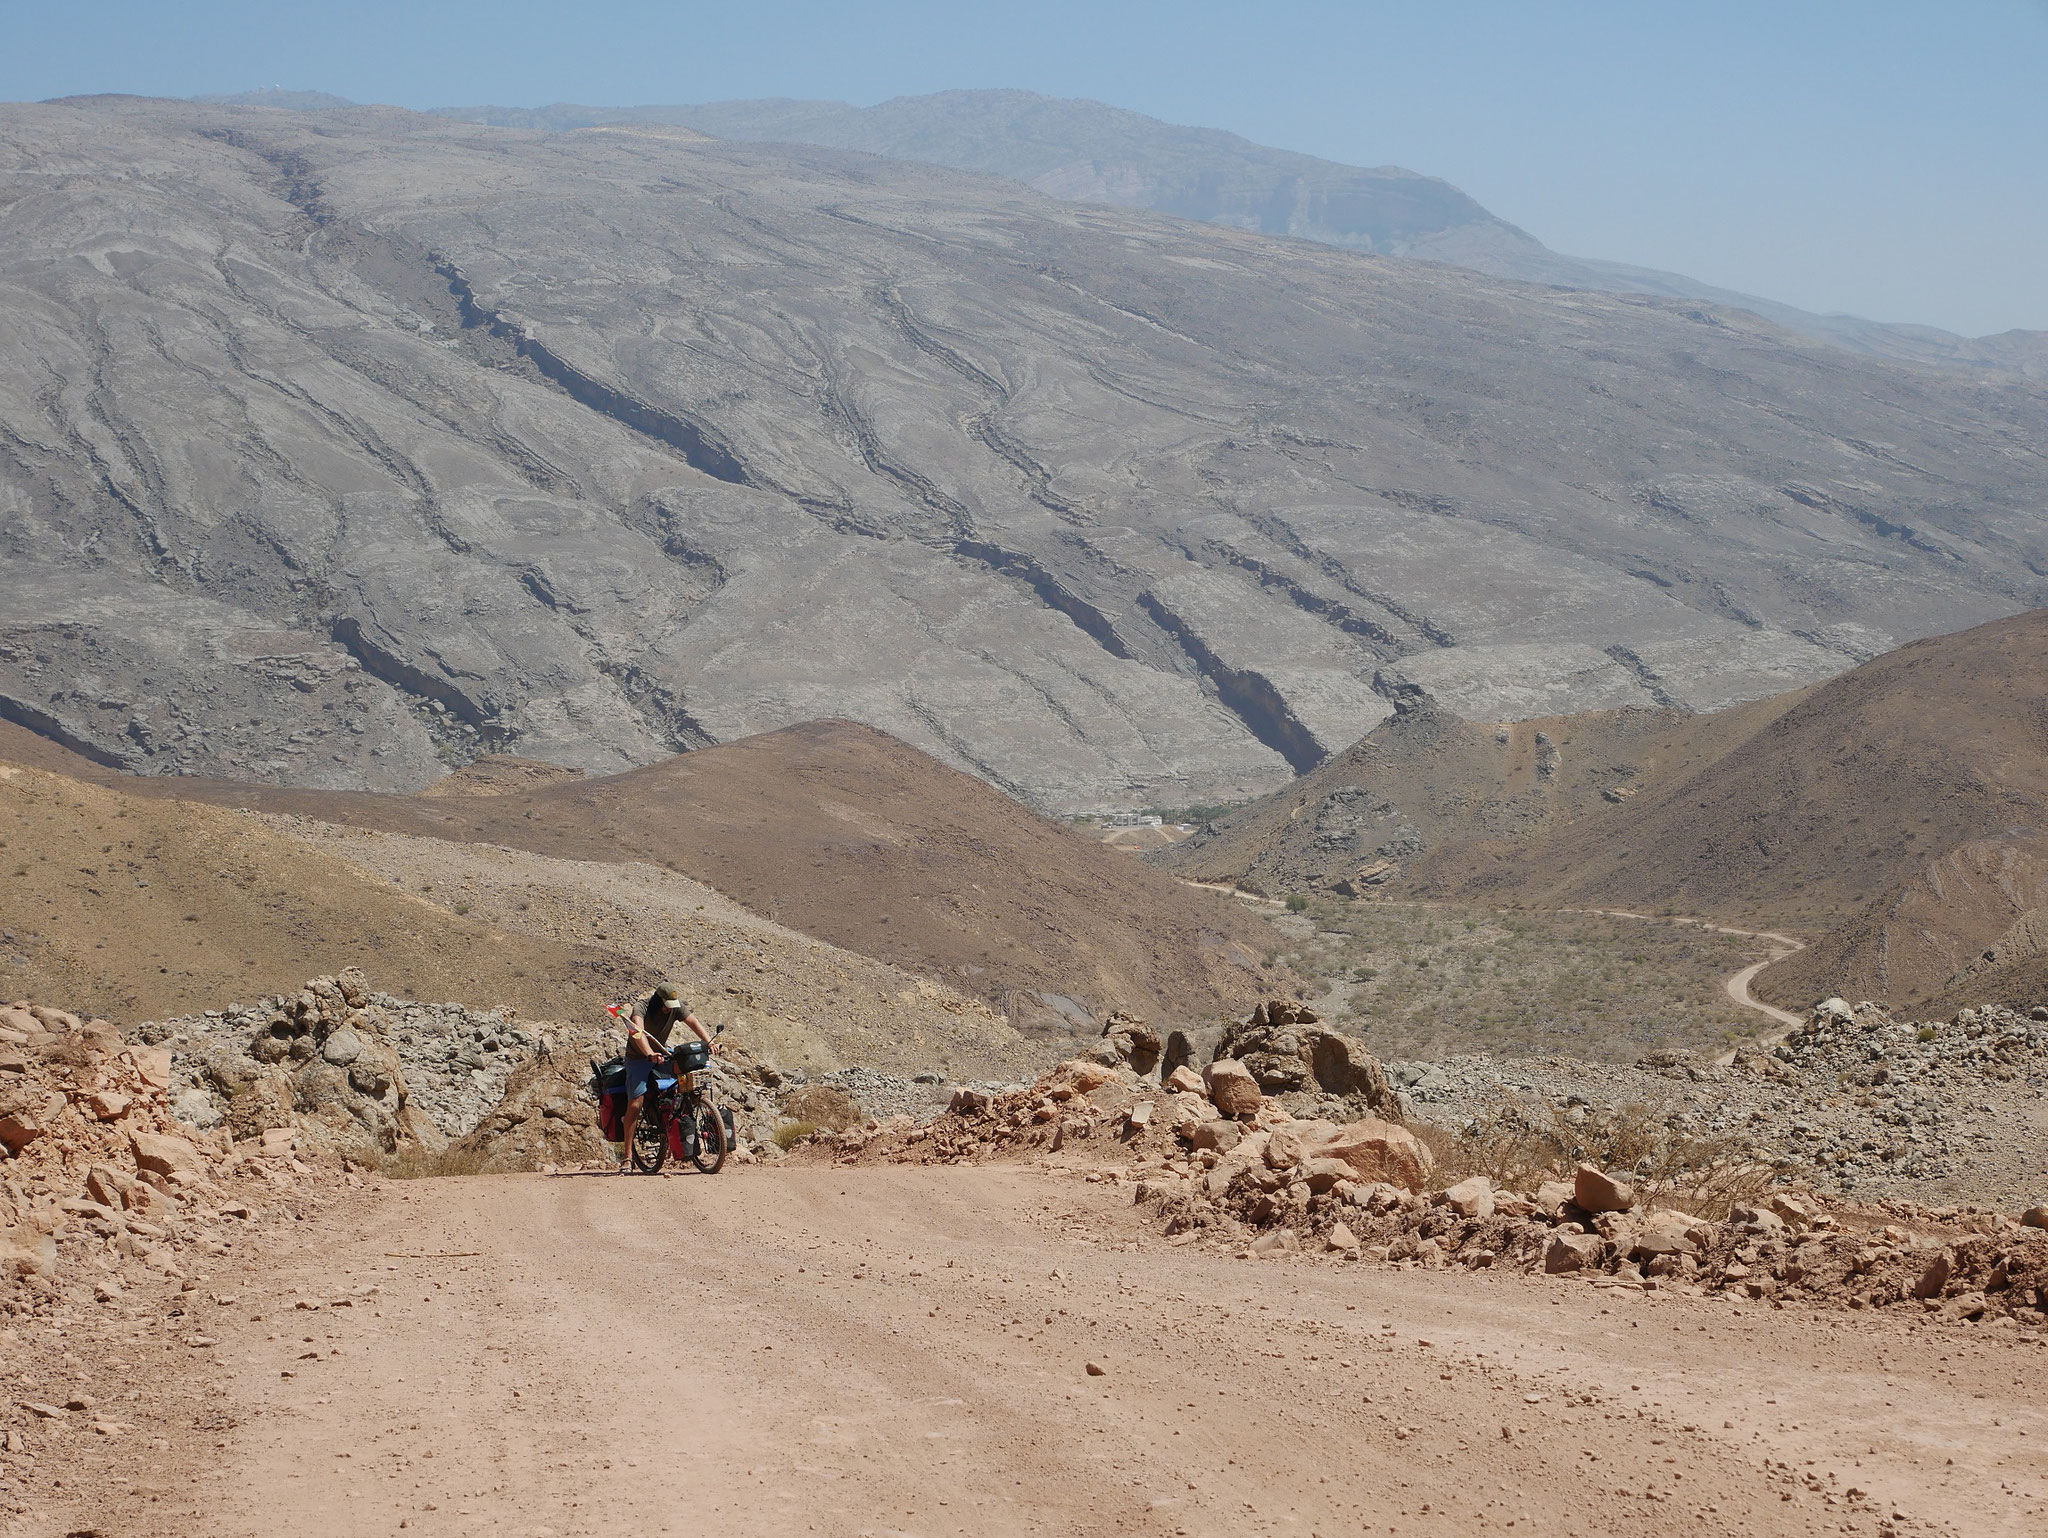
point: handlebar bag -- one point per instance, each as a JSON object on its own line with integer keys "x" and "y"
{"x": 691, "y": 1056}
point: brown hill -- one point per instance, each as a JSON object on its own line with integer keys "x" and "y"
{"x": 1847, "y": 794}
{"x": 2021, "y": 983}
{"x": 1962, "y": 926}
{"x": 851, "y": 836}
{"x": 138, "y": 907}
{"x": 1429, "y": 801}
{"x": 1796, "y": 812}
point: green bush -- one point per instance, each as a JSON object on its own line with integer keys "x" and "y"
{"x": 1296, "y": 903}
{"x": 791, "y": 1133}
{"x": 1925, "y": 1033}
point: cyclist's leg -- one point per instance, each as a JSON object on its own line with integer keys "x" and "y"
{"x": 632, "y": 1124}
{"x": 639, "y": 1079}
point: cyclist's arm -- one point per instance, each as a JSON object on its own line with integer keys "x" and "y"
{"x": 702, "y": 1035}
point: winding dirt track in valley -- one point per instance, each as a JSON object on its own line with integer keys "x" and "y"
{"x": 1737, "y": 987}
{"x": 904, "y": 1350}
{"x": 1736, "y": 984}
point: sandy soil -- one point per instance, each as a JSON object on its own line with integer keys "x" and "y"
{"x": 794, "y": 1000}
{"x": 904, "y": 1351}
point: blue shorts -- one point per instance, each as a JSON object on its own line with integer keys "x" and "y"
{"x": 639, "y": 1077}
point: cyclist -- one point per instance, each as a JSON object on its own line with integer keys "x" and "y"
{"x": 647, "y": 1046}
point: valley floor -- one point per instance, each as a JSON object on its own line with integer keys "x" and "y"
{"x": 905, "y": 1350}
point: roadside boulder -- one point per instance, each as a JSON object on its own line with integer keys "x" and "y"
{"x": 1288, "y": 1050}
{"x": 28, "y": 1113}
{"x": 1232, "y": 1089}
{"x": 1571, "y": 1252}
{"x": 1380, "y": 1151}
{"x": 1665, "y": 1232}
{"x": 1220, "y": 1135}
{"x": 1798, "y": 1213}
{"x": 1080, "y": 1075}
{"x": 1284, "y": 1149}
{"x": 1325, "y": 1174}
{"x": 111, "y": 1188}
{"x": 2036, "y": 1216}
{"x": 1185, "y": 1081}
{"x": 1595, "y": 1190}
{"x": 159, "y": 1153}
{"x": 152, "y": 1063}
{"x": 1471, "y": 1198}
{"x": 1934, "y": 1275}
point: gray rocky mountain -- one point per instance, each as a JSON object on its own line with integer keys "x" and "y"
{"x": 338, "y": 447}
{"x": 1090, "y": 152}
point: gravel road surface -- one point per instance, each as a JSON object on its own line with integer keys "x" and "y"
{"x": 906, "y": 1351}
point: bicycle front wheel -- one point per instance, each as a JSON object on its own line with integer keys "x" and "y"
{"x": 711, "y": 1140}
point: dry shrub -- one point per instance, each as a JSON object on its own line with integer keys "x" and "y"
{"x": 416, "y": 1163}
{"x": 791, "y": 1133}
{"x": 823, "y": 1105}
{"x": 1519, "y": 1148}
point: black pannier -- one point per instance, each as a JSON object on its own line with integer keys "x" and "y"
{"x": 608, "y": 1084}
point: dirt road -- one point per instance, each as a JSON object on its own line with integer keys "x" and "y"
{"x": 1736, "y": 984}
{"x": 905, "y": 1351}
{"x": 1737, "y": 987}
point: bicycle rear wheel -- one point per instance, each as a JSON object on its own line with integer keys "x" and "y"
{"x": 650, "y": 1138}
{"x": 711, "y": 1141}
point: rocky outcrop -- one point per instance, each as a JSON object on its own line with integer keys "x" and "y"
{"x": 1291, "y": 1053}
{"x": 339, "y": 1062}
{"x": 1127, "y": 1039}
{"x": 340, "y": 1052}
{"x": 106, "y": 1192}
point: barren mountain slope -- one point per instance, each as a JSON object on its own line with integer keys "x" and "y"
{"x": 368, "y": 439}
{"x": 140, "y": 908}
{"x": 1853, "y": 790}
{"x": 845, "y": 834}
{"x": 1922, "y": 776}
{"x": 791, "y": 999}
{"x": 1960, "y": 928}
{"x": 1090, "y": 152}
{"x": 143, "y": 907}
{"x": 1428, "y": 792}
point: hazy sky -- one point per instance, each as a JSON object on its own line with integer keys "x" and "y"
{"x": 1879, "y": 158}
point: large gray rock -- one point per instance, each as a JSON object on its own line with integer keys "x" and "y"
{"x": 336, "y": 450}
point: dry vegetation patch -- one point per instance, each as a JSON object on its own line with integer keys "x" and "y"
{"x": 1430, "y": 979}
